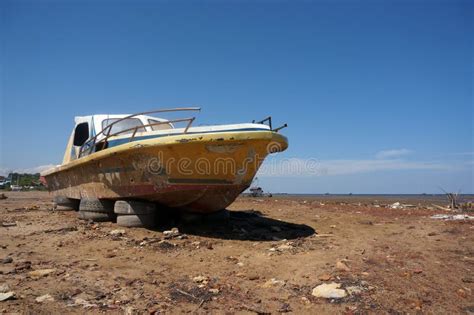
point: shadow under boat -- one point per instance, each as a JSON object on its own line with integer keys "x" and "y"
{"x": 246, "y": 225}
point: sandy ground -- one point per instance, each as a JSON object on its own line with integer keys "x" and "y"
{"x": 267, "y": 259}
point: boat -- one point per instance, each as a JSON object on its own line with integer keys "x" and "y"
{"x": 169, "y": 162}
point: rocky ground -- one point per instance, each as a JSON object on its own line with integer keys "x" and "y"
{"x": 275, "y": 255}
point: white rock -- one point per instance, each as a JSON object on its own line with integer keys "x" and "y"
{"x": 7, "y": 296}
{"x": 117, "y": 232}
{"x": 44, "y": 298}
{"x": 273, "y": 282}
{"x": 200, "y": 279}
{"x": 329, "y": 291}
{"x": 171, "y": 233}
{"x": 396, "y": 205}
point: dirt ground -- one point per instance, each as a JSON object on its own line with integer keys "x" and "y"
{"x": 267, "y": 259}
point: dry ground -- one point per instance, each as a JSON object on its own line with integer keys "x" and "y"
{"x": 267, "y": 259}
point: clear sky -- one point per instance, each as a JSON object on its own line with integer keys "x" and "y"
{"x": 379, "y": 93}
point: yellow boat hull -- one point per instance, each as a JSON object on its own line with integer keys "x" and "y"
{"x": 194, "y": 172}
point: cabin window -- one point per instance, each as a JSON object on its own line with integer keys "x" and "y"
{"x": 160, "y": 126}
{"x": 123, "y": 125}
{"x": 81, "y": 134}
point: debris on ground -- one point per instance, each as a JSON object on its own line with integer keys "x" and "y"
{"x": 8, "y": 224}
{"x": 452, "y": 217}
{"x": 7, "y": 296}
{"x": 44, "y": 298}
{"x": 174, "y": 232}
{"x": 329, "y": 291}
{"x": 117, "y": 232}
{"x": 36, "y": 274}
{"x": 273, "y": 283}
{"x": 6, "y": 260}
{"x": 341, "y": 266}
{"x": 221, "y": 268}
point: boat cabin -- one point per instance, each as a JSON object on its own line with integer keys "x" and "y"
{"x": 95, "y": 127}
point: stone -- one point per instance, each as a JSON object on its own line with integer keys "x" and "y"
{"x": 7, "y": 296}
{"x": 7, "y": 260}
{"x": 284, "y": 247}
{"x": 44, "y": 298}
{"x": 329, "y": 291}
{"x": 273, "y": 282}
{"x": 354, "y": 290}
{"x": 174, "y": 232}
{"x": 117, "y": 232}
{"x": 325, "y": 277}
{"x": 200, "y": 279}
{"x": 36, "y": 274}
{"x": 214, "y": 291}
{"x": 342, "y": 266}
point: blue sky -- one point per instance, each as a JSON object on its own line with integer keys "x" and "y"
{"x": 380, "y": 93}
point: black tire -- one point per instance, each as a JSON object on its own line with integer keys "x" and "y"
{"x": 64, "y": 203}
{"x": 134, "y": 207}
{"x": 96, "y": 205}
{"x": 96, "y": 216}
{"x": 141, "y": 220}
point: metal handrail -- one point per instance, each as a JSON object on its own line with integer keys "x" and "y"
{"x": 93, "y": 141}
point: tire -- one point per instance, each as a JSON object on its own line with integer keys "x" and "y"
{"x": 96, "y": 205}
{"x": 132, "y": 220}
{"x": 96, "y": 216}
{"x": 134, "y": 207}
{"x": 64, "y": 203}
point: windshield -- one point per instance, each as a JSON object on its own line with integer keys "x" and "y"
{"x": 160, "y": 126}
{"x": 123, "y": 125}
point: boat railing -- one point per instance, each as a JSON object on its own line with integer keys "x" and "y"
{"x": 106, "y": 132}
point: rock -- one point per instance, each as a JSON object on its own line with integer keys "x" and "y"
{"x": 396, "y": 205}
{"x": 82, "y": 302}
{"x": 418, "y": 270}
{"x": 8, "y": 224}
{"x": 117, "y": 232}
{"x": 285, "y": 308}
{"x": 2, "y": 196}
{"x": 342, "y": 266}
{"x": 174, "y": 232}
{"x": 329, "y": 291}
{"x": 201, "y": 279}
{"x": 273, "y": 282}
{"x": 284, "y": 247}
{"x": 462, "y": 293}
{"x": 354, "y": 290}
{"x": 7, "y": 260}
{"x": 44, "y": 298}
{"x": 214, "y": 291}
{"x": 7, "y": 296}
{"x": 325, "y": 277}
{"x": 36, "y": 274}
